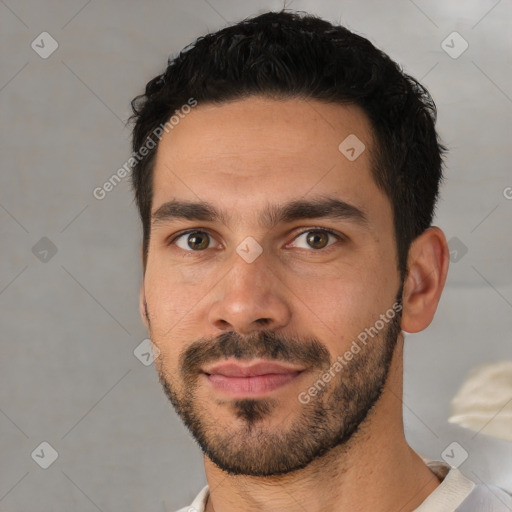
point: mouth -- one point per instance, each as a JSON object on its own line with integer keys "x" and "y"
{"x": 254, "y": 379}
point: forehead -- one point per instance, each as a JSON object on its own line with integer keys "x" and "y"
{"x": 255, "y": 150}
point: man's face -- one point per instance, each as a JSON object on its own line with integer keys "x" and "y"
{"x": 274, "y": 278}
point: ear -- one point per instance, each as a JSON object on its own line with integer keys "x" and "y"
{"x": 142, "y": 294}
{"x": 143, "y": 306}
{"x": 427, "y": 266}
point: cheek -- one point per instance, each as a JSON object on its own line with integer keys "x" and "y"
{"x": 348, "y": 304}
{"x": 174, "y": 288}
{"x": 346, "y": 308}
{"x": 176, "y": 296}
{"x": 167, "y": 304}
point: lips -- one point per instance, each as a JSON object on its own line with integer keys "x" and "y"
{"x": 252, "y": 370}
{"x": 239, "y": 380}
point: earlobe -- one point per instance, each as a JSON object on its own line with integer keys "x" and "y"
{"x": 427, "y": 266}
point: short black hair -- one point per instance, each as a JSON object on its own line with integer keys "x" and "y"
{"x": 288, "y": 54}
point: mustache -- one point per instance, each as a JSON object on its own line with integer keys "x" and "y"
{"x": 308, "y": 352}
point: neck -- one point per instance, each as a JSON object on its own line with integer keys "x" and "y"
{"x": 375, "y": 470}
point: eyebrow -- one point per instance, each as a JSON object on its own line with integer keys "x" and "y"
{"x": 272, "y": 215}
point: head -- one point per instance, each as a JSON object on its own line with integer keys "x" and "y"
{"x": 286, "y": 212}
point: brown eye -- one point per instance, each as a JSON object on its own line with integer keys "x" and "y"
{"x": 193, "y": 240}
{"x": 317, "y": 239}
{"x": 198, "y": 241}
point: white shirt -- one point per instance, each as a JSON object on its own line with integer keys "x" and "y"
{"x": 456, "y": 493}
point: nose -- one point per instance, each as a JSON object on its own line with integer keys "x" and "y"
{"x": 250, "y": 297}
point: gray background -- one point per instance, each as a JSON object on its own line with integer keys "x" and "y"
{"x": 70, "y": 321}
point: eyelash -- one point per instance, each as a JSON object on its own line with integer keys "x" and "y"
{"x": 339, "y": 236}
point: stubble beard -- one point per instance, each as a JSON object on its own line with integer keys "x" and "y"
{"x": 252, "y": 444}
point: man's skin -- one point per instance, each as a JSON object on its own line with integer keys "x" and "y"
{"x": 240, "y": 157}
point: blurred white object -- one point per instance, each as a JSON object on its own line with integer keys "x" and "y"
{"x": 484, "y": 401}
